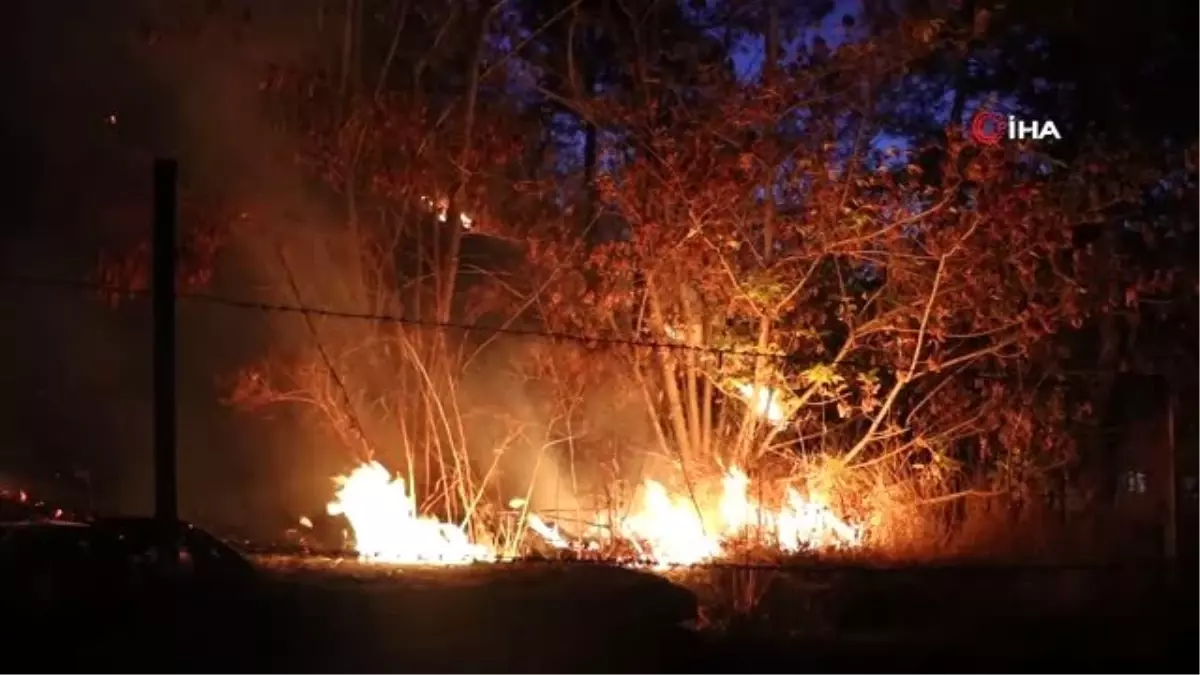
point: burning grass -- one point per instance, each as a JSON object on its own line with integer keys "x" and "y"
{"x": 659, "y": 528}
{"x": 824, "y": 512}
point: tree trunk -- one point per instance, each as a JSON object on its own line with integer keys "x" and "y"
{"x": 449, "y": 275}
{"x": 749, "y": 428}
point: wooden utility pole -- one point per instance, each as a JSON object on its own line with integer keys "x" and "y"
{"x": 166, "y": 500}
{"x": 1172, "y": 538}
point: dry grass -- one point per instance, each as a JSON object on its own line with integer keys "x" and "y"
{"x": 916, "y": 515}
{"x": 913, "y": 522}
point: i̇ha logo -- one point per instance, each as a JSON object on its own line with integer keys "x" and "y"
{"x": 988, "y": 128}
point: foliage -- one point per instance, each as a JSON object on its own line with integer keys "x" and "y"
{"x": 916, "y": 313}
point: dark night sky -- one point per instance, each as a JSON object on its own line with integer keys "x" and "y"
{"x": 76, "y": 374}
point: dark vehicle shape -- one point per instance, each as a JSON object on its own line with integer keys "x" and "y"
{"x": 107, "y": 584}
{"x": 200, "y": 557}
{"x": 48, "y": 567}
{"x": 47, "y": 564}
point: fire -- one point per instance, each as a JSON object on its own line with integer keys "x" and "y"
{"x": 383, "y": 516}
{"x": 664, "y": 529}
{"x": 669, "y": 530}
{"x": 441, "y": 206}
{"x": 676, "y": 531}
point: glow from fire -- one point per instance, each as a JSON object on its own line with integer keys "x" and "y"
{"x": 766, "y": 402}
{"x": 663, "y": 529}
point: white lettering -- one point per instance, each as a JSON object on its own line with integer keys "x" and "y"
{"x": 1048, "y": 129}
{"x": 1030, "y": 128}
{"x": 1019, "y": 130}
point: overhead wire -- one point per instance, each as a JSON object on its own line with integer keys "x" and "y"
{"x": 311, "y": 312}
{"x": 324, "y": 312}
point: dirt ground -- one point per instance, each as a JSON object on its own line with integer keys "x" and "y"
{"x": 552, "y": 618}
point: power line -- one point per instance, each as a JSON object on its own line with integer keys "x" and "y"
{"x": 280, "y": 308}
{"x": 271, "y": 307}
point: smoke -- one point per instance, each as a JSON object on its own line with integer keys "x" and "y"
{"x": 247, "y": 471}
{"x": 94, "y": 91}
{"x": 521, "y": 427}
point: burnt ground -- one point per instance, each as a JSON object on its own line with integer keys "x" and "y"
{"x": 544, "y": 618}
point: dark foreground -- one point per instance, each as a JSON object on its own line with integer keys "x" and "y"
{"x": 542, "y": 618}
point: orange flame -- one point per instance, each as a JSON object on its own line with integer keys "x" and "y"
{"x": 678, "y": 531}
{"x": 387, "y": 527}
{"x": 665, "y": 529}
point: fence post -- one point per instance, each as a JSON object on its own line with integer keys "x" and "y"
{"x": 166, "y": 503}
{"x": 1172, "y": 538}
